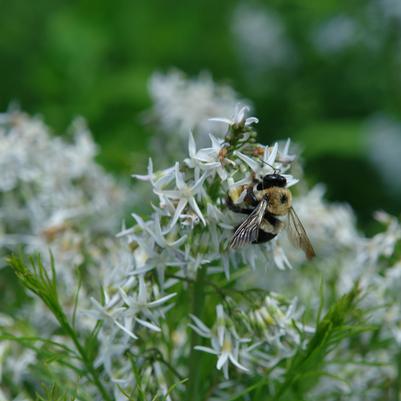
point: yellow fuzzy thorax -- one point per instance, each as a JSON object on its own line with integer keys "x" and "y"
{"x": 280, "y": 200}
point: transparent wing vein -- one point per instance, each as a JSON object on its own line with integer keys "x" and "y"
{"x": 298, "y": 236}
{"x": 248, "y": 230}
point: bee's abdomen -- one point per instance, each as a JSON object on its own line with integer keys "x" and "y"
{"x": 263, "y": 236}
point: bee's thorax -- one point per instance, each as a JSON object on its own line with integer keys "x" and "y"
{"x": 279, "y": 200}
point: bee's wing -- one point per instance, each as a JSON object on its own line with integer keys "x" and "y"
{"x": 297, "y": 234}
{"x": 248, "y": 230}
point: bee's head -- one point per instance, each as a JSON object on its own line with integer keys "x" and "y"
{"x": 274, "y": 180}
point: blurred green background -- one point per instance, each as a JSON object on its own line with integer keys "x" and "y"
{"x": 316, "y": 73}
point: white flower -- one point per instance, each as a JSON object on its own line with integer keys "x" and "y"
{"x": 139, "y": 304}
{"x": 225, "y": 342}
{"x": 321, "y": 218}
{"x": 280, "y": 257}
{"x": 108, "y": 312}
{"x": 211, "y": 159}
{"x": 268, "y": 163}
{"x": 336, "y": 34}
{"x": 153, "y": 228}
{"x": 284, "y": 157}
{"x": 184, "y": 194}
{"x": 261, "y": 39}
{"x": 181, "y": 104}
{"x": 239, "y": 118}
{"x": 382, "y": 244}
{"x": 158, "y": 179}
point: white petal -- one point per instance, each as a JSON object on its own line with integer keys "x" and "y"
{"x": 168, "y": 194}
{"x": 141, "y": 177}
{"x": 147, "y": 177}
{"x": 178, "y": 242}
{"x": 216, "y": 143}
{"x": 139, "y": 220}
{"x": 164, "y": 179}
{"x": 222, "y": 120}
{"x": 290, "y": 180}
{"x": 124, "y": 296}
{"x": 142, "y": 292}
{"x": 272, "y": 155}
{"x": 179, "y": 177}
{"x": 130, "y": 333}
{"x": 147, "y": 324}
{"x": 251, "y": 120}
{"x": 287, "y": 146}
{"x": 198, "y": 331}
{"x": 222, "y": 174}
{"x": 236, "y": 363}
{"x": 255, "y": 166}
{"x": 200, "y": 324}
{"x": 125, "y": 232}
{"x": 180, "y": 207}
{"x": 241, "y": 114}
{"x": 199, "y": 183}
{"x": 150, "y": 167}
{"x": 196, "y": 209}
{"x": 222, "y": 360}
{"x": 141, "y": 270}
{"x": 162, "y": 300}
{"x": 191, "y": 145}
{"x": 205, "y": 349}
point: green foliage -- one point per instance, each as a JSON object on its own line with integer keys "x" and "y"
{"x": 53, "y": 393}
{"x": 95, "y": 58}
{"x": 343, "y": 321}
{"x": 35, "y": 277}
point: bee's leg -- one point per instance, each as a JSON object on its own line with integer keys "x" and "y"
{"x": 250, "y": 197}
{"x": 263, "y": 237}
{"x": 236, "y": 208}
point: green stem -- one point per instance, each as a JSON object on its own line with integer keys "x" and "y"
{"x": 85, "y": 359}
{"x": 194, "y": 357}
{"x": 398, "y": 379}
{"x": 44, "y": 285}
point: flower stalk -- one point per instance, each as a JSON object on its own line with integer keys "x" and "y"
{"x": 198, "y": 300}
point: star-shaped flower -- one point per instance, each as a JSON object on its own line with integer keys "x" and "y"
{"x": 139, "y": 304}
{"x": 238, "y": 120}
{"x": 185, "y": 194}
{"x": 159, "y": 178}
{"x": 266, "y": 165}
{"x": 225, "y": 342}
{"x": 209, "y": 159}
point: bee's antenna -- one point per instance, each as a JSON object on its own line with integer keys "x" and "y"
{"x": 275, "y": 170}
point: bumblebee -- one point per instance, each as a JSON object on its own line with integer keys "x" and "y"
{"x": 265, "y": 201}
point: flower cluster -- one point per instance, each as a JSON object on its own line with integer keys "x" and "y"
{"x": 272, "y": 326}
{"x": 53, "y": 198}
{"x": 187, "y": 237}
{"x": 175, "y": 299}
{"x": 181, "y": 105}
{"x": 48, "y": 185}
